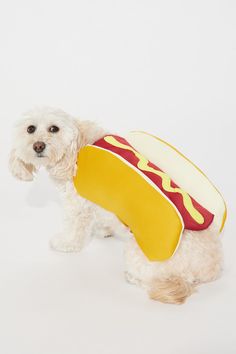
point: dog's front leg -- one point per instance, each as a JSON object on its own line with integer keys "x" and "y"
{"x": 79, "y": 221}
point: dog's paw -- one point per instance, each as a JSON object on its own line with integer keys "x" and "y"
{"x": 132, "y": 280}
{"x": 61, "y": 244}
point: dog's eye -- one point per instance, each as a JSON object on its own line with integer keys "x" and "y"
{"x": 53, "y": 129}
{"x": 31, "y": 129}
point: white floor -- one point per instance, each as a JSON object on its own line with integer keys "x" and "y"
{"x": 54, "y": 303}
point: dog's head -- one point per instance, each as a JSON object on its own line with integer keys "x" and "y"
{"x": 50, "y": 138}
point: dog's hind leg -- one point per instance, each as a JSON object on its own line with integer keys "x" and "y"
{"x": 107, "y": 225}
{"x": 197, "y": 260}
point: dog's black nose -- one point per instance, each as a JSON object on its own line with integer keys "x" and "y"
{"x": 39, "y": 146}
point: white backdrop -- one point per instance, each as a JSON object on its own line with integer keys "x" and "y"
{"x": 167, "y": 67}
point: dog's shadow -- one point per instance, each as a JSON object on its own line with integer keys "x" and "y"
{"x": 43, "y": 191}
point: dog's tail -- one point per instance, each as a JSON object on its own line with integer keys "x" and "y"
{"x": 173, "y": 290}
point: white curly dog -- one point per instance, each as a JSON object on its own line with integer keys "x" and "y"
{"x": 51, "y": 138}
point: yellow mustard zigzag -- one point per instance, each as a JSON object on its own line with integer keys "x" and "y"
{"x": 166, "y": 181}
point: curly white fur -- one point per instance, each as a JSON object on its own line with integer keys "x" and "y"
{"x": 199, "y": 256}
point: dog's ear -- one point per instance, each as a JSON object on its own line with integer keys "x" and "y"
{"x": 88, "y": 133}
{"x": 20, "y": 169}
{"x": 85, "y": 132}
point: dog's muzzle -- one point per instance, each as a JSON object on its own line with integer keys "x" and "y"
{"x": 39, "y": 147}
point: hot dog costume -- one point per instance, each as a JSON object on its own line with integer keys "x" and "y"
{"x": 132, "y": 178}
